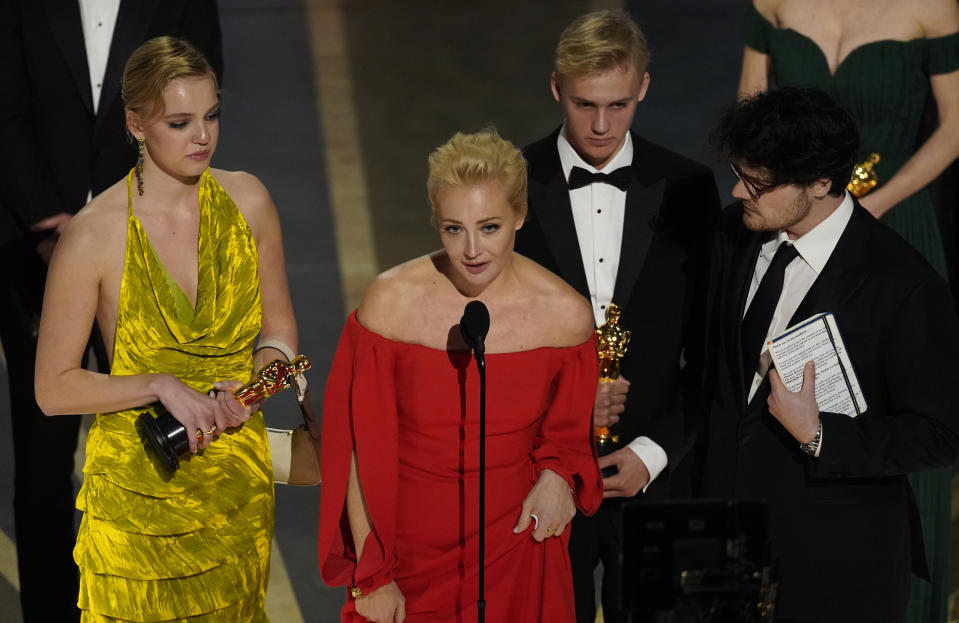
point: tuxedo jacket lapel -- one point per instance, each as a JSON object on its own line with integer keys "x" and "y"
{"x": 133, "y": 19}
{"x": 639, "y": 222}
{"x": 644, "y": 200}
{"x": 554, "y": 213}
{"x": 560, "y": 232}
{"x": 64, "y": 17}
{"x": 843, "y": 273}
{"x": 736, "y": 288}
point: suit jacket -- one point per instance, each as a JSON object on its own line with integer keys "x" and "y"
{"x": 55, "y": 149}
{"x": 843, "y": 525}
{"x": 672, "y": 206}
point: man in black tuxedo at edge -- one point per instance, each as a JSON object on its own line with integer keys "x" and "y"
{"x": 63, "y": 141}
{"x": 638, "y": 238}
{"x": 843, "y": 521}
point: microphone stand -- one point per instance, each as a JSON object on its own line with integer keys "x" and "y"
{"x": 474, "y": 325}
{"x": 481, "y": 367}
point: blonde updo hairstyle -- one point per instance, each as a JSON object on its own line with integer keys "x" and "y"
{"x": 600, "y": 41}
{"x": 472, "y": 159}
{"x": 155, "y": 64}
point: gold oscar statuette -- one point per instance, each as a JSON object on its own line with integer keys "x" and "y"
{"x": 612, "y": 341}
{"x": 171, "y": 440}
{"x": 272, "y": 378}
{"x": 863, "y": 177}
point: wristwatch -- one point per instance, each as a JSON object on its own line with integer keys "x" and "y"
{"x": 812, "y": 447}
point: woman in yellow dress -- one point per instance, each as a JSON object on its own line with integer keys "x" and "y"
{"x": 182, "y": 267}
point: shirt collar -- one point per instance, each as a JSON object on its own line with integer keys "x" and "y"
{"x": 569, "y": 158}
{"x": 816, "y": 246}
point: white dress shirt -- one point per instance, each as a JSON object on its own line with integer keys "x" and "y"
{"x": 598, "y": 213}
{"x": 98, "y": 18}
{"x": 814, "y": 248}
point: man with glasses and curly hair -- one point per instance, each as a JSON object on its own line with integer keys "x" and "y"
{"x": 843, "y": 524}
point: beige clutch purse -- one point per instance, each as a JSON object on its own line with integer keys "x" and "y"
{"x": 295, "y": 452}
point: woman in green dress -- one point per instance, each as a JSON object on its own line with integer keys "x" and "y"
{"x": 881, "y": 59}
{"x": 182, "y": 267}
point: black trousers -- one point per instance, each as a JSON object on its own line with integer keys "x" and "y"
{"x": 43, "y": 447}
{"x": 593, "y": 540}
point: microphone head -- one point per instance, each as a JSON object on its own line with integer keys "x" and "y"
{"x": 474, "y": 325}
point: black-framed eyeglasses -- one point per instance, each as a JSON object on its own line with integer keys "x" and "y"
{"x": 755, "y": 189}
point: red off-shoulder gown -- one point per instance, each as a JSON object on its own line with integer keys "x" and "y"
{"x": 412, "y": 413}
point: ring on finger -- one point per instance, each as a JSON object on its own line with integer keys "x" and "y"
{"x": 549, "y": 531}
{"x": 535, "y": 518}
{"x": 201, "y": 433}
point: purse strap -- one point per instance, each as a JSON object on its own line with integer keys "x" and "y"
{"x": 299, "y": 383}
{"x": 306, "y": 407}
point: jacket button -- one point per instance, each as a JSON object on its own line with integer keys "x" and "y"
{"x": 745, "y": 440}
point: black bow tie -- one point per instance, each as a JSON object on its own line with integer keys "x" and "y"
{"x": 619, "y": 178}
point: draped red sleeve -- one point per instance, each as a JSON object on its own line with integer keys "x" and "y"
{"x": 565, "y": 441}
{"x": 359, "y": 411}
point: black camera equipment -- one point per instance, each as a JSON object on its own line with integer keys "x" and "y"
{"x": 699, "y": 561}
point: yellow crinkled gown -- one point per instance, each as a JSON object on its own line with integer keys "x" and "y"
{"x": 194, "y": 546}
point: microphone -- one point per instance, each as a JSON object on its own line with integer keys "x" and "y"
{"x": 474, "y": 325}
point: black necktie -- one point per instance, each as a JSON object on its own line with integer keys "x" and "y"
{"x": 761, "y": 309}
{"x": 619, "y": 178}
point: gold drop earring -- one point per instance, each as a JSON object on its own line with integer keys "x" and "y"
{"x": 139, "y": 168}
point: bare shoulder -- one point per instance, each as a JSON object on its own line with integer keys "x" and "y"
{"x": 98, "y": 228}
{"x": 250, "y": 196}
{"x": 937, "y": 18}
{"x": 564, "y": 317}
{"x": 390, "y": 301}
{"x": 769, "y": 9}
{"x": 241, "y": 183}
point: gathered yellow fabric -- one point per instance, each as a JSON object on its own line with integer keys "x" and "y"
{"x": 195, "y": 545}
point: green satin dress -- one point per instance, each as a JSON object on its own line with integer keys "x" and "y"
{"x": 194, "y": 546}
{"x": 885, "y": 84}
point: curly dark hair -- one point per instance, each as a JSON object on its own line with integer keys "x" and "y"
{"x": 796, "y": 135}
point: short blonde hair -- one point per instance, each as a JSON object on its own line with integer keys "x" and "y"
{"x": 152, "y": 66}
{"x": 470, "y": 159}
{"x": 601, "y": 41}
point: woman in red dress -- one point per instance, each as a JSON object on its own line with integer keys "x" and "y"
{"x": 399, "y": 509}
